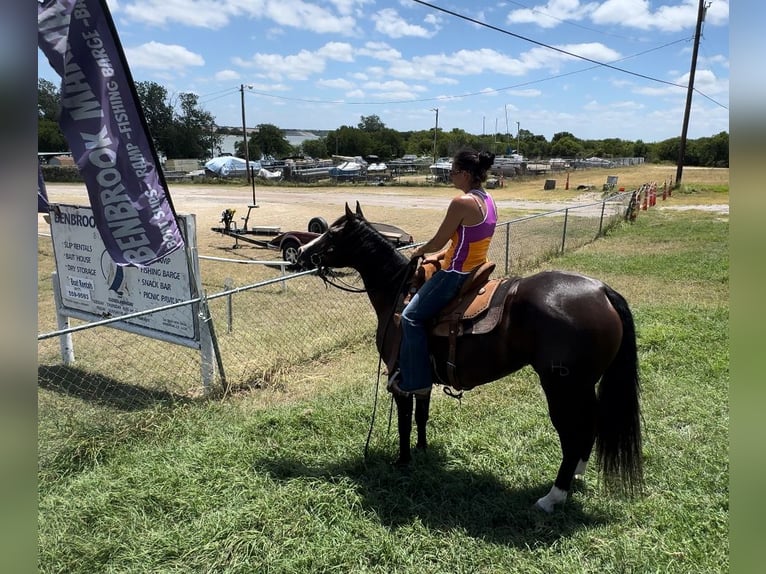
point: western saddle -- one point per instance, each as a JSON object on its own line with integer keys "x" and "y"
{"x": 477, "y": 309}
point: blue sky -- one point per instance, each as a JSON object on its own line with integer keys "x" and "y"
{"x": 313, "y": 64}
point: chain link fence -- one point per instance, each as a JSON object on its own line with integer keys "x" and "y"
{"x": 265, "y": 330}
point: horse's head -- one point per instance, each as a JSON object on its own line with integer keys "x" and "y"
{"x": 334, "y": 248}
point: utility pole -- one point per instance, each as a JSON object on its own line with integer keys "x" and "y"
{"x": 689, "y": 92}
{"x": 436, "y": 129}
{"x": 518, "y": 138}
{"x": 507, "y": 131}
{"x": 244, "y": 131}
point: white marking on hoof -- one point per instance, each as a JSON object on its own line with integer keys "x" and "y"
{"x": 555, "y": 496}
{"x": 581, "y": 468}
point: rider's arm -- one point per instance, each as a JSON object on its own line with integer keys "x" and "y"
{"x": 456, "y": 212}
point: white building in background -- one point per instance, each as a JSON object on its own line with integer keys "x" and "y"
{"x": 294, "y": 137}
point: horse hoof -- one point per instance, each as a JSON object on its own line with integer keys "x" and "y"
{"x": 401, "y": 463}
{"x": 544, "y": 507}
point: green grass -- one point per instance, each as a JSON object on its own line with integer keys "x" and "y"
{"x": 263, "y": 481}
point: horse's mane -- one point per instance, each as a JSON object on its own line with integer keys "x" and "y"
{"x": 372, "y": 251}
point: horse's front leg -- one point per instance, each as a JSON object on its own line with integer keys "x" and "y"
{"x": 404, "y": 426}
{"x": 422, "y": 406}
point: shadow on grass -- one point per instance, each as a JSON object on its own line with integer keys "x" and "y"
{"x": 101, "y": 390}
{"x": 444, "y": 497}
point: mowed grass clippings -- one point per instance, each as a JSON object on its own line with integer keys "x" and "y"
{"x": 265, "y": 480}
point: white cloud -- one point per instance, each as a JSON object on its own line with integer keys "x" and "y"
{"x": 393, "y": 86}
{"x": 389, "y": 23}
{"x": 486, "y": 60}
{"x": 639, "y": 14}
{"x": 226, "y": 75}
{"x": 552, "y": 14}
{"x": 338, "y": 51}
{"x": 380, "y": 51}
{"x": 196, "y": 13}
{"x": 305, "y": 16}
{"x": 528, "y": 93}
{"x": 705, "y": 82}
{"x": 337, "y": 83}
{"x": 216, "y": 14}
{"x": 157, "y": 56}
{"x": 298, "y": 66}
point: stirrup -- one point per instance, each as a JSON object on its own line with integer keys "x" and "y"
{"x": 392, "y": 386}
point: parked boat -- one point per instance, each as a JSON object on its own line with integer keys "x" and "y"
{"x": 440, "y": 170}
{"x": 509, "y": 165}
{"x": 230, "y": 166}
{"x": 346, "y": 170}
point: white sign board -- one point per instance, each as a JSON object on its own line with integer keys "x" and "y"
{"x": 90, "y": 282}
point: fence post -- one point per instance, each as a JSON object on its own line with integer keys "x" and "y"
{"x": 62, "y": 322}
{"x": 601, "y": 221}
{"x": 507, "y": 249}
{"x": 209, "y": 351}
{"x": 228, "y": 285}
{"x": 564, "y": 234}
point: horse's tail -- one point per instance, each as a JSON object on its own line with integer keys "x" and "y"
{"x": 618, "y": 435}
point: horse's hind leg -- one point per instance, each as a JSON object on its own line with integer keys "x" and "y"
{"x": 404, "y": 426}
{"x": 422, "y": 406}
{"x": 572, "y": 413}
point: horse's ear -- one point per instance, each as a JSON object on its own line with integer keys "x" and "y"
{"x": 359, "y": 210}
{"x": 348, "y": 211}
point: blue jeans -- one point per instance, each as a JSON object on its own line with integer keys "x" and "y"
{"x": 414, "y": 364}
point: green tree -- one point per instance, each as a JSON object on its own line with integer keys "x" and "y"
{"x": 158, "y": 113}
{"x": 48, "y": 100}
{"x": 50, "y": 137}
{"x": 713, "y": 151}
{"x": 532, "y": 145}
{"x": 270, "y": 140}
{"x": 566, "y": 145}
{"x": 371, "y": 124}
{"x": 640, "y": 149}
{"x": 49, "y": 134}
{"x": 194, "y": 129}
{"x": 350, "y": 141}
{"x": 315, "y": 148}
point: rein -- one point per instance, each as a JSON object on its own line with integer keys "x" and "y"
{"x": 408, "y": 272}
{"x": 323, "y": 274}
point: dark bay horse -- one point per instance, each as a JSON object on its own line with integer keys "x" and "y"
{"x": 576, "y": 332}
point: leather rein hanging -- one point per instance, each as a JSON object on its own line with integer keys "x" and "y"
{"x": 322, "y": 272}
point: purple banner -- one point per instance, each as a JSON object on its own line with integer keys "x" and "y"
{"x": 42, "y": 194}
{"x": 106, "y": 131}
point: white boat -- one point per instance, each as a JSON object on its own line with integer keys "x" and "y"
{"x": 230, "y": 166}
{"x": 346, "y": 170}
{"x": 270, "y": 174}
{"x": 376, "y": 168}
{"x": 508, "y": 165}
{"x": 440, "y": 170}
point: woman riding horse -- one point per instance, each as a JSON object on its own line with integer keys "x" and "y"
{"x": 468, "y": 225}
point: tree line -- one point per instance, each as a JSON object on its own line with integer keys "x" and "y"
{"x": 181, "y": 128}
